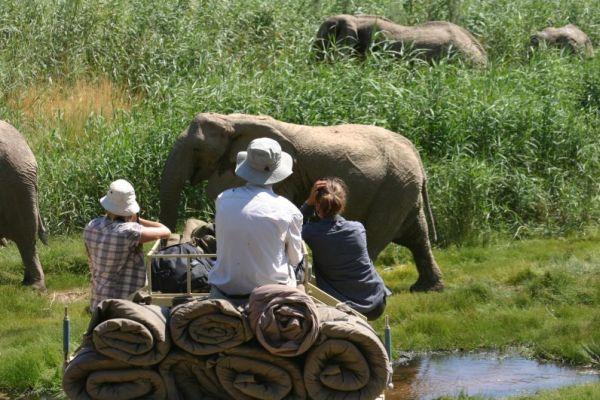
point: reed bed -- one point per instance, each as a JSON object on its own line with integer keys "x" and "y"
{"x": 510, "y": 150}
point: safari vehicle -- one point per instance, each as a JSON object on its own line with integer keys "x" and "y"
{"x": 318, "y": 295}
{"x": 167, "y": 299}
{"x": 147, "y": 295}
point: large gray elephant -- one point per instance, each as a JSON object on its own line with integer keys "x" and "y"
{"x": 568, "y": 37}
{"x": 382, "y": 169}
{"x": 430, "y": 41}
{"x": 20, "y": 219}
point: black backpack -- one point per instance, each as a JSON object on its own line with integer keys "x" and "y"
{"x": 169, "y": 274}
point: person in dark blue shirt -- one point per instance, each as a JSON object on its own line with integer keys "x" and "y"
{"x": 341, "y": 260}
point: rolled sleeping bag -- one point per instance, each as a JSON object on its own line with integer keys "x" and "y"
{"x": 283, "y": 319}
{"x": 134, "y": 333}
{"x": 208, "y": 326}
{"x": 348, "y": 362}
{"x": 190, "y": 377}
{"x": 249, "y": 372}
{"x": 91, "y": 375}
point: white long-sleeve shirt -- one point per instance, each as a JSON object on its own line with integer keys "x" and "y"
{"x": 259, "y": 239}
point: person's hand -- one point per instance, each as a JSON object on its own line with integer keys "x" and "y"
{"x": 312, "y": 198}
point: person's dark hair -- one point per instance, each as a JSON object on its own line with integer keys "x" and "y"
{"x": 331, "y": 199}
{"x": 120, "y": 218}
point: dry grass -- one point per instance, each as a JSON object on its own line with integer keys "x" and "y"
{"x": 66, "y": 297}
{"x": 70, "y": 106}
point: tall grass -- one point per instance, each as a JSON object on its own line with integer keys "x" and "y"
{"x": 513, "y": 148}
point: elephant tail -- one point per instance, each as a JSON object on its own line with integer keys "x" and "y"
{"x": 42, "y": 232}
{"x": 427, "y": 204}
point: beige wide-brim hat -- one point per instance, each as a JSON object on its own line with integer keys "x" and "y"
{"x": 263, "y": 162}
{"x": 120, "y": 199}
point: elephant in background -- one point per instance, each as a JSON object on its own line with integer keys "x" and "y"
{"x": 429, "y": 41}
{"x": 20, "y": 219}
{"x": 568, "y": 37}
{"x": 383, "y": 171}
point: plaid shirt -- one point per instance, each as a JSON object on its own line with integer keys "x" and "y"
{"x": 116, "y": 258}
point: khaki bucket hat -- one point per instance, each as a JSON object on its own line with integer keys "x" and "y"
{"x": 120, "y": 199}
{"x": 263, "y": 162}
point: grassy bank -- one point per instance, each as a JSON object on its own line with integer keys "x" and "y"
{"x": 582, "y": 392}
{"x": 101, "y": 89}
{"x": 31, "y": 323}
{"x": 541, "y": 297}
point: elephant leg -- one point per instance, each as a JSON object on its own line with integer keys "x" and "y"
{"x": 416, "y": 239}
{"x": 34, "y": 275}
{"x": 380, "y": 232}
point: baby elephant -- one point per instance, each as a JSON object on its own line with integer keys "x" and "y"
{"x": 429, "y": 41}
{"x": 568, "y": 37}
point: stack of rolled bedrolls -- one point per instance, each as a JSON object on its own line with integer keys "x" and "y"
{"x": 280, "y": 346}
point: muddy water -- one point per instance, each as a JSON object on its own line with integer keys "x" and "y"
{"x": 489, "y": 375}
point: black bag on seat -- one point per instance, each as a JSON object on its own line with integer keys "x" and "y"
{"x": 169, "y": 274}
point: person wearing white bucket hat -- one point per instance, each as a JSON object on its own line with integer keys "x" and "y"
{"x": 113, "y": 243}
{"x": 258, "y": 232}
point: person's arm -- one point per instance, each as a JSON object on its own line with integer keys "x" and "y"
{"x": 308, "y": 208}
{"x": 293, "y": 244}
{"x": 307, "y": 212}
{"x": 152, "y": 230}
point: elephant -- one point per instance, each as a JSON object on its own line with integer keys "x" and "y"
{"x": 20, "y": 219}
{"x": 429, "y": 41}
{"x": 382, "y": 169}
{"x": 568, "y": 37}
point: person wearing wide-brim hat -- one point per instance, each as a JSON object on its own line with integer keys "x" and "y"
{"x": 258, "y": 232}
{"x": 113, "y": 243}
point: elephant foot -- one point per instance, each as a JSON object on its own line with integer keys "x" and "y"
{"x": 36, "y": 285}
{"x": 424, "y": 286}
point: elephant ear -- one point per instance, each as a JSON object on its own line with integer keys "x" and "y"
{"x": 215, "y": 129}
{"x": 245, "y": 129}
{"x": 248, "y": 129}
{"x": 347, "y": 31}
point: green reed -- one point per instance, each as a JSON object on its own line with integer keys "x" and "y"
{"x": 512, "y": 149}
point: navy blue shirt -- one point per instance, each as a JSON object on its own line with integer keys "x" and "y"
{"x": 341, "y": 260}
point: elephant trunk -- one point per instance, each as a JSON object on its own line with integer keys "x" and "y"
{"x": 178, "y": 170}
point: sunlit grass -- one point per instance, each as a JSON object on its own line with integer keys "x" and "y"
{"x": 539, "y": 297}
{"x": 509, "y": 150}
{"x": 67, "y": 107}
{"x": 31, "y": 322}
{"x": 579, "y": 392}
{"x": 101, "y": 90}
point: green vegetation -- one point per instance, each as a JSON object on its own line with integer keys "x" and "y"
{"x": 591, "y": 392}
{"x": 31, "y": 322}
{"x": 582, "y": 392}
{"x": 541, "y": 297}
{"x": 101, "y": 89}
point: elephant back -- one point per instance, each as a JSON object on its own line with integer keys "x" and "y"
{"x": 14, "y": 150}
